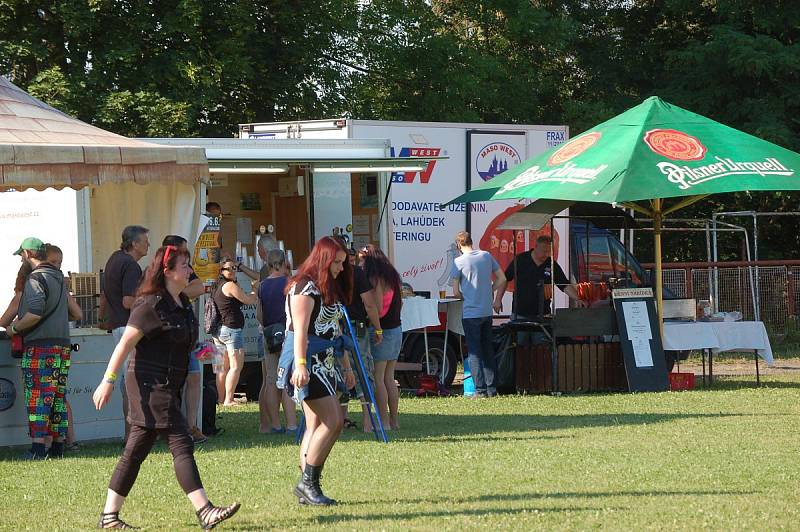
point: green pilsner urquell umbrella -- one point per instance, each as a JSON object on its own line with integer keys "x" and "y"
{"x": 644, "y": 156}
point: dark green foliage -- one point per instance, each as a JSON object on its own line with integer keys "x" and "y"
{"x": 200, "y": 67}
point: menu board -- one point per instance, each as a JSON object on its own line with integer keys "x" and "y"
{"x": 637, "y": 325}
{"x": 640, "y": 339}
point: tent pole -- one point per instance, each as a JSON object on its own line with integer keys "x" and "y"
{"x": 552, "y": 309}
{"x": 657, "y": 218}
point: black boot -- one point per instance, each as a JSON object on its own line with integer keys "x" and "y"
{"x": 308, "y": 490}
{"x": 56, "y": 450}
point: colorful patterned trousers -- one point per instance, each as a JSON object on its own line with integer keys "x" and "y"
{"x": 45, "y": 370}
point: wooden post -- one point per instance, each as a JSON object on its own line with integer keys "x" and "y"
{"x": 657, "y": 218}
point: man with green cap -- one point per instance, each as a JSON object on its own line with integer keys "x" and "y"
{"x": 43, "y": 321}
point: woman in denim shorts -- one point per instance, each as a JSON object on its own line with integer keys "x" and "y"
{"x": 389, "y": 294}
{"x": 229, "y": 298}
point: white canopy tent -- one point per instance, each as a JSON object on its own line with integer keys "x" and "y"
{"x": 119, "y": 181}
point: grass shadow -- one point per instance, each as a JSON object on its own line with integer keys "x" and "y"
{"x": 511, "y": 497}
{"x": 452, "y": 509}
{"x": 241, "y": 430}
{"x": 739, "y": 382}
{"x": 449, "y": 512}
{"x": 433, "y": 426}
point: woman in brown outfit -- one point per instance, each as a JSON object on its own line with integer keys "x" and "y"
{"x": 163, "y": 329}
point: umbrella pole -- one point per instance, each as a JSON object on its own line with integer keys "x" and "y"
{"x": 657, "y": 218}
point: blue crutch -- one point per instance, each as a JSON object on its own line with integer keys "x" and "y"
{"x": 372, "y": 410}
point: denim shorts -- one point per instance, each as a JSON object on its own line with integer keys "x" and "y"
{"x": 232, "y": 338}
{"x": 389, "y": 348}
{"x": 320, "y": 381}
{"x": 194, "y": 364}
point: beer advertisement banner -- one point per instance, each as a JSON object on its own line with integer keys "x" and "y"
{"x": 207, "y": 250}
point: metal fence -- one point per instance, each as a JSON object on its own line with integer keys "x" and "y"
{"x": 675, "y": 281}
{"x": 777, "y": 296}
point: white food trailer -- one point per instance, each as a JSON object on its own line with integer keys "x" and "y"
{"x": 418, "y": 232}
{"x": 375, "y": 182}
{"x": 304, "y": 189}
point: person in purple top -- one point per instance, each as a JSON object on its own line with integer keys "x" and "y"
{"x": 271, "y": 313}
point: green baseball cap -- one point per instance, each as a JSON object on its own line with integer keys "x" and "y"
{"x": 31, "y": 244}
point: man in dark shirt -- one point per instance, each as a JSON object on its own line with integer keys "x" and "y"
{"x": 532, "y": 272}
{"x": 122, "y": 277}
{"x": 364, "y": 307}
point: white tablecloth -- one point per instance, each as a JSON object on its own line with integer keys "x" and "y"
{"x": 419, "y": 312}
{"x": 718, "y": 336}
{"x": 455, "y": 311}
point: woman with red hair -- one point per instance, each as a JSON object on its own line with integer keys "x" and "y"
{"x": 315, "y": 297}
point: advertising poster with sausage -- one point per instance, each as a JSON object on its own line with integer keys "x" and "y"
{"x": 491, "y": 153}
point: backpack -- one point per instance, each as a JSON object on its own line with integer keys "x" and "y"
{"x": 212, "y": 319}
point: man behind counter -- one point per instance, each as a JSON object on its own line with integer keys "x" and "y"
{"x": 532, "y": 270}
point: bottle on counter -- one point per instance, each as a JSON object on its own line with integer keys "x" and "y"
{"x": 217, "y": 359}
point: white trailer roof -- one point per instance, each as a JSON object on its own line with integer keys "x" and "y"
{"x": 283, "y": 150}
{"x": 248, "y": 153}
{"x": 334, "y": 124}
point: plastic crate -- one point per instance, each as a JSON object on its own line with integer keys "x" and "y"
{"x": 681, "y": 381}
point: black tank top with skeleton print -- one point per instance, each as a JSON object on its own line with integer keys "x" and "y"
{"x": 325, "y": 320}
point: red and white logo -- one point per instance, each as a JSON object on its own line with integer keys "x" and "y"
{"x": 573, "y": 148}
{"x": 675, "y": 145}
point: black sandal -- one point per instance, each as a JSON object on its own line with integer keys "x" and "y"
{"x": 210, "y": 515}
{"x": 112, "y": 520}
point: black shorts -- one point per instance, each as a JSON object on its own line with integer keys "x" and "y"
{"x": 324, "y": 378}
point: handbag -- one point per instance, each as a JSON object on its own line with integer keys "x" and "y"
{"x": 274, "y": 336}
{"x": 17, "y": 348}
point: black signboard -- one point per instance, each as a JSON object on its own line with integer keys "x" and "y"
{"x": 640, "y": 339}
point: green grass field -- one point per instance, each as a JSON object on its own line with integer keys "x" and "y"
{"x": 722, "y": 459}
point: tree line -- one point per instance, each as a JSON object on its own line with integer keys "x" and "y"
{"x": 200, "y": 67}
